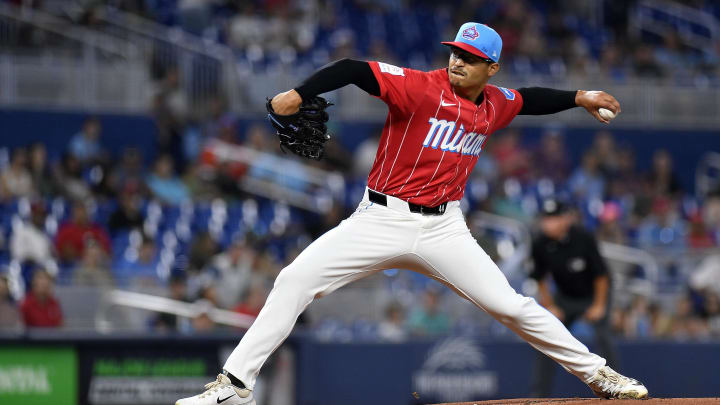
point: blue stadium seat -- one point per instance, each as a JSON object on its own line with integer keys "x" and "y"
{"x": 364, "y": 330}
{"x": 467, "y": 327}
{"x": 333, "y": 330}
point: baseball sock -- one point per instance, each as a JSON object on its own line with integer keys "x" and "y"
{"x": 234, "y": 380}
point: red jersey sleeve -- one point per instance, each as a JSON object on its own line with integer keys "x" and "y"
{"x": 506, "y": 103}
{"x": 400, "y": 88}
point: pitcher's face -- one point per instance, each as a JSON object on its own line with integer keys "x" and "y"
{"x": 466, "y": 70}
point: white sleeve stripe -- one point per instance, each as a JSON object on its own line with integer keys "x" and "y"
{"x": 398, "y": 150}
{"x": 382, "y": 165}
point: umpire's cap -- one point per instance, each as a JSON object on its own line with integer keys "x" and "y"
{"x": 552, "y": 207}
{"x": 479, "y": 40}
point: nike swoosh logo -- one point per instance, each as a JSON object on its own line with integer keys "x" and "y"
{"x": 219, "y": 401}
{"x": 444, "y": 104}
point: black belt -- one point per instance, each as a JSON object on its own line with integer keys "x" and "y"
{"x": 381, "y": 199}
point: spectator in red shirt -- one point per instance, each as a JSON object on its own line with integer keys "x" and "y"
{"x": 253, "y": 300}
{"x": 699, "y": 236}
{"x": 40, "y": 308}
{"x": 512, "y": 159}
{"x": 73, "y": 236}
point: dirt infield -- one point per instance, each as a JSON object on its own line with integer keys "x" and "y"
{"x": 594, "y": 401}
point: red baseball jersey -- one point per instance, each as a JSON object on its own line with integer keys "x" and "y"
{"x": 432, "y": 136}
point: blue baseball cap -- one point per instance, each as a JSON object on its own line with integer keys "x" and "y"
{"x": 478, "y": 39}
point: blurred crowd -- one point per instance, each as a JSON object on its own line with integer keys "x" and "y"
{"x": 180, "y": 225}
{"x": 623, "y": 203}
{"x": 619, "y": 40}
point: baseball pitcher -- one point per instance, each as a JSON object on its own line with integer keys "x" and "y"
{"x": 437, "y": 124}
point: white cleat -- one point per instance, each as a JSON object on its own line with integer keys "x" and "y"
{"x": 220, "y": 391}
{"x": 607, "y": 383}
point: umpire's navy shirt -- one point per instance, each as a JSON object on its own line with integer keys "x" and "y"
{"x": 574, "y": 262}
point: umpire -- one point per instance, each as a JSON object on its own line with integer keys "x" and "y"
{"x": 570, "y": 255}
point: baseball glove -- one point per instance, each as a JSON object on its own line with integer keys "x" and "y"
{"x": 303, "y": 133}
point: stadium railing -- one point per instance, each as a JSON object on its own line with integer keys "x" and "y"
{"x": 164, "y": 305}
{"x": 698, "y": 28}
{"x": 74, "y": 68}
{"x": 207, "y": 66}
{"x": 289, "y": 181}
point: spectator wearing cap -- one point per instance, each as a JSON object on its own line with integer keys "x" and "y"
{"x": 40, "y": 308}
{"x": 570, "y": 255}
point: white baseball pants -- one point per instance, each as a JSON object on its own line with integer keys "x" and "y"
{"x": 376, "y": 238}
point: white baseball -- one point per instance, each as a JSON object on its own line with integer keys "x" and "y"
{"x": 606, "y": 114}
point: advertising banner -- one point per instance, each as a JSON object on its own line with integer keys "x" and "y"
{"x": 38, "y": 375}
{"x": 137, "y": 374}
{"x": 460, "y": 369}
{"x": 455, "y": 369}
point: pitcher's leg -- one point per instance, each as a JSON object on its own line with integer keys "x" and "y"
{"x": 456, "y": 257}
{"x": 287, "y": 300}
{"x": 544, "y": 369}
{"x": 357, "y": 247}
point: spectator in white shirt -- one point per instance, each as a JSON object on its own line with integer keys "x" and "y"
{"x": 29, "y": 242}
{"x": 392, "y": 328}
{"x": 234, "y": 267}
{"x": 15, "y": 180}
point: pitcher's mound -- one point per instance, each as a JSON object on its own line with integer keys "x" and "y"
{"x": 594, "y": 401}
